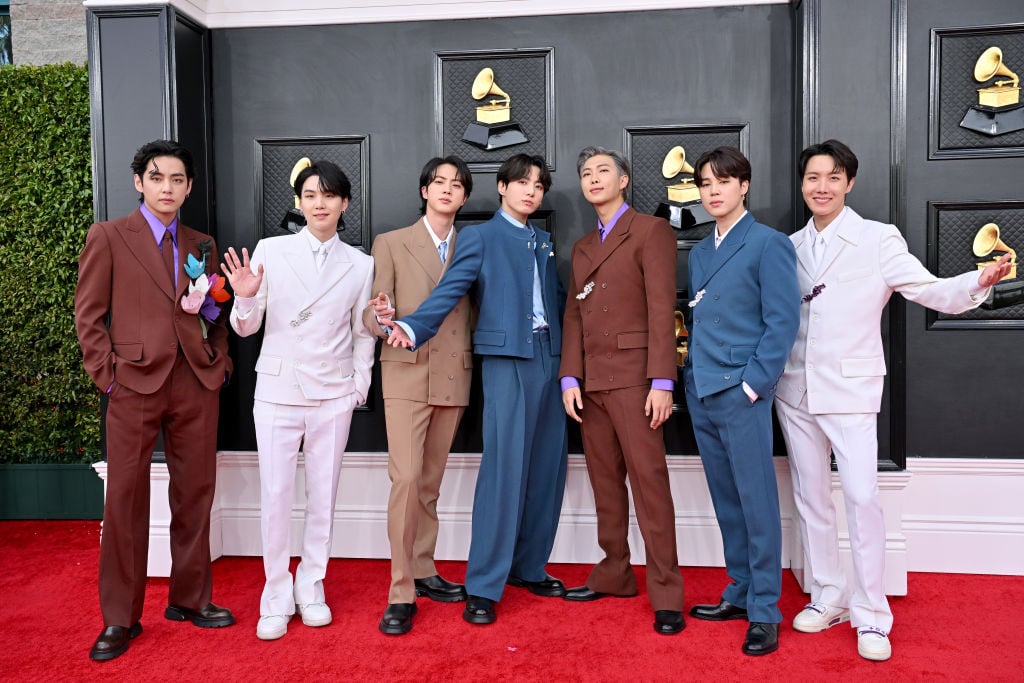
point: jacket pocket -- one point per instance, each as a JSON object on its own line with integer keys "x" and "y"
{"x": 853, "y": 274}
{"x": 863, "y": 367}
{"x": 631, "y": 340}
{"x": 132, "y": 351}
{"x": 268, "y": 365}
{"x": 741, "y": 354}
{"x": 489, "y": 337}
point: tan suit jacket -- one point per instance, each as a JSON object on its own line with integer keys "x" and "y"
{"x": 406, "y": 269}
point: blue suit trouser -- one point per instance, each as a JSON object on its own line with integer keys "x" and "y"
{"x": 521, "y": 480}
{"x": 735, "y": 441}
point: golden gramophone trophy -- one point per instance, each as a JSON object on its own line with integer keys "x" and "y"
{"x": 999, "y": 109}
{"x": 681, "y": 339}
{"x": 987, "y": 241}
{"x": 293, "y": 220}
{"x": 682, "y": 209}
{"x": 493, "y": 128}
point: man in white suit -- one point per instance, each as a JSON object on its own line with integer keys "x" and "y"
{"x": 831, "y": 390}
{"x": 313, "y": 370}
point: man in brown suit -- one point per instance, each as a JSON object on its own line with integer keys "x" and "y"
{"x": 426, "y": 392}
{"x": 162, "y": 367}
{"x": 619, "y": 339}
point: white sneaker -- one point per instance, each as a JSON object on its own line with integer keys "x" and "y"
{"x": 315, "y": 613}
{"x": 817, "y": 616}
{"x": 272, "y": 626}
{"x": 873, "y": 644}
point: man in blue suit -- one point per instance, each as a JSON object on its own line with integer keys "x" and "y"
{"x": 510, "y": 266}
{"x": 744, "y": 313}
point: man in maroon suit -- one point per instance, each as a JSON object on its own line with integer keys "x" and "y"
{"x": 162, "y": 367}
{"x": 619, "y": 340}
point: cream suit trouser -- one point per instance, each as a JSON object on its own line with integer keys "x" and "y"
{"x": 322, "y": 432}
{"x": 853, "y": 438}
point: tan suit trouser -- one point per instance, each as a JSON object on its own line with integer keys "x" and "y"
{"x": 618, "y": 441}
{"x": 419, "y": 438}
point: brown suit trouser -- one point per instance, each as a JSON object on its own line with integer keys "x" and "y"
{"x": 618, "y": 441}
{"x": 187, "y": 411}
{"x": 419, "y": 438}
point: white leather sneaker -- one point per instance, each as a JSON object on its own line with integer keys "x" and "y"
{"x": 873, "y": 643}
{"x": 315, "y": 613}
{"x": 817, "y": 616}
{"x": 272, "y": 626}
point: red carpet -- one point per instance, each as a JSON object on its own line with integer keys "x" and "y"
{"x": 950, "y": 627}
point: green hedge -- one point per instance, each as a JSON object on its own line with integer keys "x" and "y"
{"x": 49, "y": 409}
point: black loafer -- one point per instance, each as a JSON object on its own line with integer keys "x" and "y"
{"x": 723, "y": 611}
{"x": 761, "y": 639}
{"x": 113, "y": 642}
{"x": 397, "y": 619}
{"x": 584, "y": 594}
{"x": 479, "y": 610}
{"x": 668, "y": 622}
{"x": 211, "y": 616}
{"x": 548, "y": 587}
{"x": 439, "y": 590}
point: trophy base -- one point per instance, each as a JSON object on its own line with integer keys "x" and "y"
{"x": 494, "y": 135}
{"x": 683, "y": 216}
{"x": 994, "y": 120}
{"x": 293, "y": 221}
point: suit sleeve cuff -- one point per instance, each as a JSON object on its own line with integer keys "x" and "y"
{"x": 663, "y": 384}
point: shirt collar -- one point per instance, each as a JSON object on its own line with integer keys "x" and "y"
{"x": 159, "y": 228}
{"x": 614, "y": 219}
{"x": 725, "y": 234}
{"x": 315, "y": 243}
{"x": 433, "y": 235}
{"x": 830, "y": 230}
{"x": 514, "y": 221}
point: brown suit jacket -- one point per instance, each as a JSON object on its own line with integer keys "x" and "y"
{"x": 128, "y": 319}
{"x": 407, "y": 268}
{"x": 622, "y": 333}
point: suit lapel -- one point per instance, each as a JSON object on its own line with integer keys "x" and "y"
{"x": 845, "y": 236}
{"x": 139, "y": 240}
{"x": 732, "y": 243}
{"x": 595, "y": 252}
{"x": 188, "y": 243}
{"x": 421, "y": 249}
{"x": 803, "y": 251}
{"x": 335, "y": 268}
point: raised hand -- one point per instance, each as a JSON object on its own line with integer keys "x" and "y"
{"x": 240, "y": 275}
{"x": 995, "y": 272}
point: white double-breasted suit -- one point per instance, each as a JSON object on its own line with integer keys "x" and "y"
{"x": 831, "y": 391}
{"x": 313, "y": 370}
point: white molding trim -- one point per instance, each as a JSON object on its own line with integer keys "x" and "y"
{"x": 217, "y": 14}
{"x": 941, "y": 515}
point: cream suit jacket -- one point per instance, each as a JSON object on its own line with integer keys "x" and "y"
{"x": 837, "y": 360}
{"x": 407, "y": 268}
{"x": 315, "y": 345}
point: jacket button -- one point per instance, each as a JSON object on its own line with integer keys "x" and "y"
{"x": 453, "y": 354}
{"x": 604, "y": 308}
{"x": 608, "y": 355}
{"x": 604, "y": 285}
{"x": 323, "y": 364}
{"x": 451, "y": 376}
{"x": 728, "y": 376}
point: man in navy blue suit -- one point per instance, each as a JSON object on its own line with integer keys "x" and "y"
{"x": 510, "y": 266}
{"x": 744, "y": 313}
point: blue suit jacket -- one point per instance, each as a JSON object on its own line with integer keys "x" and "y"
{"x": 496, "y": 259}
{"x": 743, "y": 327}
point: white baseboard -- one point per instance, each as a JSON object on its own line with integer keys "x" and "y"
{"x": 941, "y": 515}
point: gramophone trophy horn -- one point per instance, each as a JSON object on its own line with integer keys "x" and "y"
{"x": 999, "y": 109}
{"x": 493, "y": 128}
{"x": 986, "y": 241}
{"x": 293, "y": 220}
{"x": 675, "y": 163}
{"x": 300, "y": 165}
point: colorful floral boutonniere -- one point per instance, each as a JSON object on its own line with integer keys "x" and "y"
{"x": 587, "y": 289}
{"x": 696, "y": 299}
{"x": 815, "y": 291}
{"x": 205, "y": 291}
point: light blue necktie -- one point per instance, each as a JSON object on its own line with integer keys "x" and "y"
{"x": 442, "y": 251}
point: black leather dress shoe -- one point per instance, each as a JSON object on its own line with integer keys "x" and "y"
{"x": 113, "y": 642}
{"x": 439, "y": 590}
{"x": 397, "y": 618}
{"x": 761, "y": 638}
{"x": 583, "y": 594}
{"x": 548, "y": 587}
{"x": 723, "y": 611}
{"x": 479, "y": 610}
{"x": 668, "y": 622}
{"x": 211, "y": 616}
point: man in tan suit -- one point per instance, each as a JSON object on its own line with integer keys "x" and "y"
{"x": 619, "y": 340}
{"x": 426, "y": 392}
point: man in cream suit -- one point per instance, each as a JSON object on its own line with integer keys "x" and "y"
{"x": 313, "y": 370}
{"x": 830, "y": 393}
{"x": 426, "y": 392}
